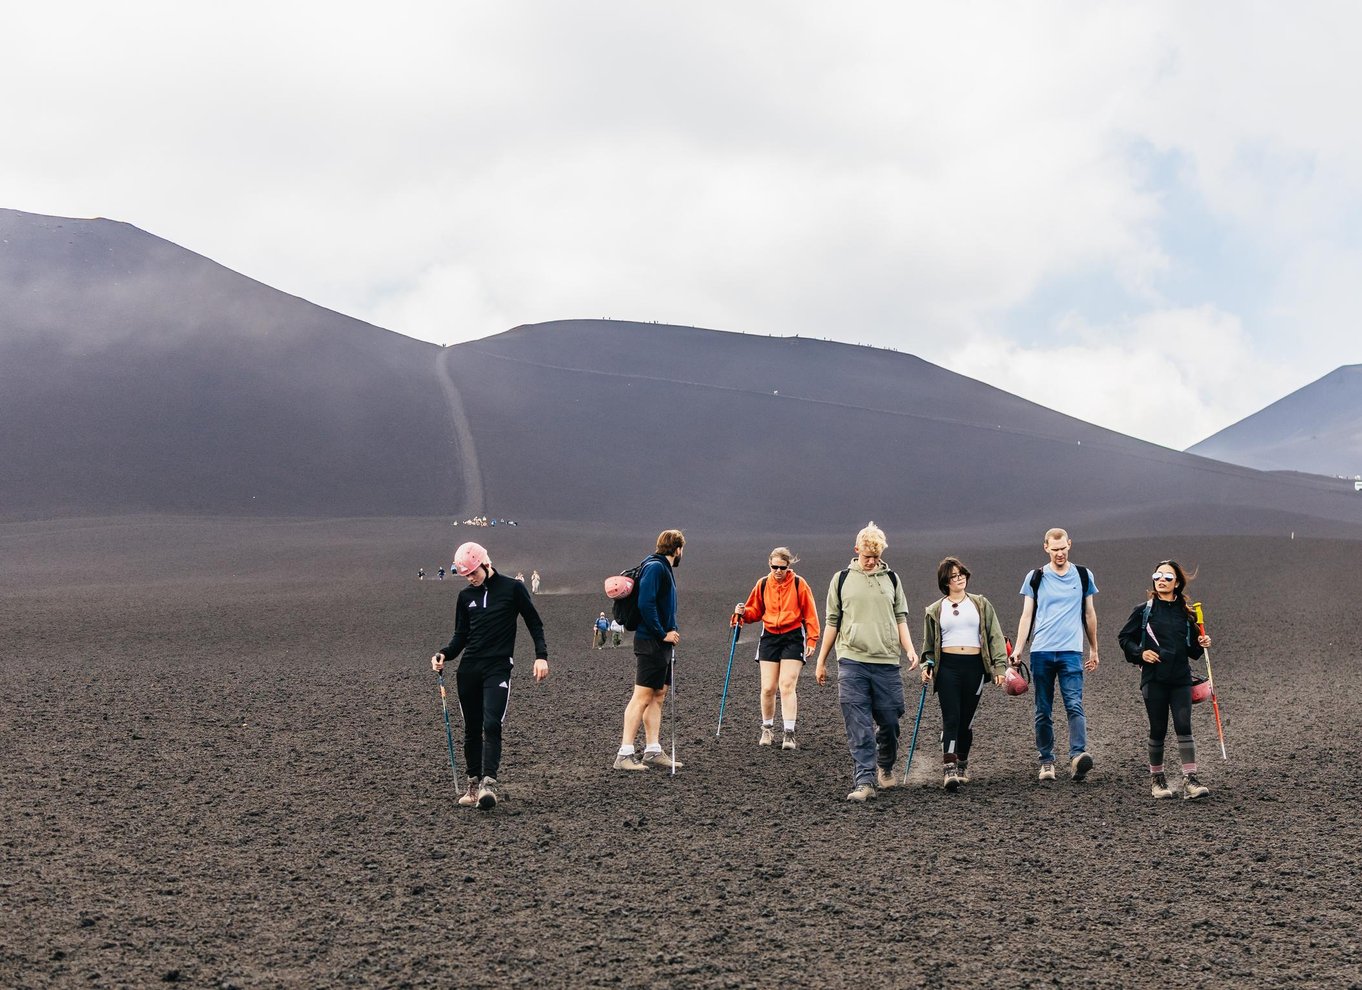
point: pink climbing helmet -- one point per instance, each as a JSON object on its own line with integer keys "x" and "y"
{"x": 1201, "y": 689}
{"x": 469, "y": 557}
{"x": 1016, "y": 679}
{"x": 618, "y": 586}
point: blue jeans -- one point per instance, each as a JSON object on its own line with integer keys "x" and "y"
{"x": 871, "y": 694}
{"x": 1068, "y": 666}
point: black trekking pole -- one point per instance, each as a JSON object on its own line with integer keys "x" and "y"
{"x": 912, "y": 747}
{"x": 724, "y": 700}
{"x": 673, "y": 694}
{"x": 449, "y": 733}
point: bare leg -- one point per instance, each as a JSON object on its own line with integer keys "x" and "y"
{"x": 770, "y": 670}
{"x": 652, "y": 717}
{"x": 636, "y": 713}
{"x": 789, "y": 697}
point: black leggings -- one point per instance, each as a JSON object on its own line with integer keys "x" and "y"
{"x": 1159, "y": 701}
{"x": 959, "y": 684}
{"x": 484, "y": 694}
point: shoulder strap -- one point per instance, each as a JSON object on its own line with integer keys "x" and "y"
{"x": 894, "y": 579}
{"x": 1083, "y": 580}
{"x": 761, "y": 593}
{"x": 1035, "y": 584}
{"x": 841, "y": 580}
{"x": 1144, "y": 622}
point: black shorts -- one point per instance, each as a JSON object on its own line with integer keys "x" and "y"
{"x": 654, "y": 663}
{"x": 775, "y": 647}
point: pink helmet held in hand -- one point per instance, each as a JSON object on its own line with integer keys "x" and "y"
{"x": 618, "y": 586}
{"x": 1201, "y": 689}
{"x": 1016, "y": 679}
{"x": 469, "y": 557}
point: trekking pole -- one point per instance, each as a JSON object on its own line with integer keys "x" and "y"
{"x": 1210, "y": 678}
{"x": 912, "y": 747}
{"x": 724, "y": 700}
{"x": 449, "y": 733}
{"x": 673, "y": 694}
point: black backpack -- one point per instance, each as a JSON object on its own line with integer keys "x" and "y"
{"x": 625, "y": 610}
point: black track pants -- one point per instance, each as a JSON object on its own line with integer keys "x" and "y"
{"x": 484, "y": 694}
{"x": 959, "y": 683}
{"x": 1159, "y": 701}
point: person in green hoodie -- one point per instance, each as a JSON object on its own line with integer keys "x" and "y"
{"x": 867, "y": 621}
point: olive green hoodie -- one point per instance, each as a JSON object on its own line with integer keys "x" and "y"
{"x": 867, "y": 615}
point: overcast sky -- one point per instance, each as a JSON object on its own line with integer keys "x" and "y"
{"x": 1147, "y": 215}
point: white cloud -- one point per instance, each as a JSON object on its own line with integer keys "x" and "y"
{"x": 889, "y": 173}
{"x": 1173, "y": 376}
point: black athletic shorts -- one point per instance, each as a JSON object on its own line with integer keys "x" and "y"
{"x": 775, "y": 647}
{"x": 654, "y": 663}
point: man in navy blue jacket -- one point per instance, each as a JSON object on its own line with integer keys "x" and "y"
{"x": 654, "y": 643}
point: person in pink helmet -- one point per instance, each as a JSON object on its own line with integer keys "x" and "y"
{"x": 484, "y": 633}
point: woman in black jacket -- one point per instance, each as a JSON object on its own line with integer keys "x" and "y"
{"x": 1161, "y": 638}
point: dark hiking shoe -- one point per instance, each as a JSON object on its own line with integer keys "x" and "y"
{"x": 862, "y": 793}
{"x": 952, "y": 778}
{"x": 1159, "y": 787}
{"x": 884, "y": 778}
{"x": 1047, "y": 772}
{"x": 487, "y": 795}
{"x": 789, "y": 741}
{"x": 661, "y": 760}
{"x": 1079, "y": 767}
{"x": 1193, "y": 788}
{"x": 628, "y": 761}
{"x": 767, "y": 736}
{"x": 470, "y": 797}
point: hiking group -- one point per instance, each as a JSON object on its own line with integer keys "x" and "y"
{"x": 866, "y": 625}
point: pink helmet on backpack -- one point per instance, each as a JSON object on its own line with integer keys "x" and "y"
{"x": 618, "y": 586}
{"x": 1016, "y": 679}
{"x": 469, "y": 557}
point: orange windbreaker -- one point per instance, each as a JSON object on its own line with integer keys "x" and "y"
{"x": 785, "y": 608}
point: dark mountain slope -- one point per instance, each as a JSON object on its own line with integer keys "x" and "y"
{"x": 1316, "y": 429}
{"x": 656, "y": 423}
{"x": 135, "y": 375}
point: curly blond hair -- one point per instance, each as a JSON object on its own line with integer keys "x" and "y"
{"x": 871, "y": 540}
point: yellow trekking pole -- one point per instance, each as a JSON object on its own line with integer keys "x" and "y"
{"x": 1210, "y": 678}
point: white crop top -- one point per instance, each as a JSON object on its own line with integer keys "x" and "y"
{"x": 962, "y": 629}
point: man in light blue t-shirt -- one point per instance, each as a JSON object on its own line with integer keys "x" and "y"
{"x": 1059, "y": 611}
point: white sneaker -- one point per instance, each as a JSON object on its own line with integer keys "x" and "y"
{"x": 1047, "y": 772}
{"x": 862, "y": 793}
{"x": 767, "y": 736}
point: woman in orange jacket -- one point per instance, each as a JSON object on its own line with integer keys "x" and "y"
{"x": 783, "y": 604}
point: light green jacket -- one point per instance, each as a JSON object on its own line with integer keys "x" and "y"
{"x": 867, "y": 615}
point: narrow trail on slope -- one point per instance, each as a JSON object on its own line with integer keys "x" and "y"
{"x": 473, "y": 496}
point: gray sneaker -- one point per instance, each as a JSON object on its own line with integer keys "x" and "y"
{"x": 629, "y": 761}
{"x": 862, "y": 793}
{"x": 661, "y": 759}
{"x": 1193, "y": 788}
{"x": 1159, "y": 786}
{"x": 1047, "y": 772}
{"x": 884, "y": 778}
{"x": 767, "y": 736}
{"x": 789, "y": 741}
{"x": 470, "y": 797}
{"x": 487, "y": 795}
{"x": 951, "y": 780}
{"x": 1079, "y": 767}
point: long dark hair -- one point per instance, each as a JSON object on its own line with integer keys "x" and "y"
{"x": 1183, "y": 578}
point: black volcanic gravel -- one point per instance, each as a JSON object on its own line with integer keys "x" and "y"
{"x": 237, "y": 777}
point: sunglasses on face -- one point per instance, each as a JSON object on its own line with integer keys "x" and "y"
{"x": 780, "y": 567}
{"x": 1161, "y": 576}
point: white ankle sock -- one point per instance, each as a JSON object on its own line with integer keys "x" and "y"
{"x": 626, "y": 751}
{"x": 789, "y": 725}
{"x": 654, "y": 748}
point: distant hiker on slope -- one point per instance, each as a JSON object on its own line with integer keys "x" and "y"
{"x": 867, "y": 620}
{"x": 783, "y": 604}
{"x": 1160, "y": 637}
{"x": 484, "y": 633}
{"x": 534, "y": 582}
{"x": 654, "y": 654}
{"x": 602, "y": 630}
{"x": 1058, "y": 599}
{"x": 962, "y": 634}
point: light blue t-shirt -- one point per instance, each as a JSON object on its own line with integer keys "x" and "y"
{"x": 1057, "y": 626}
